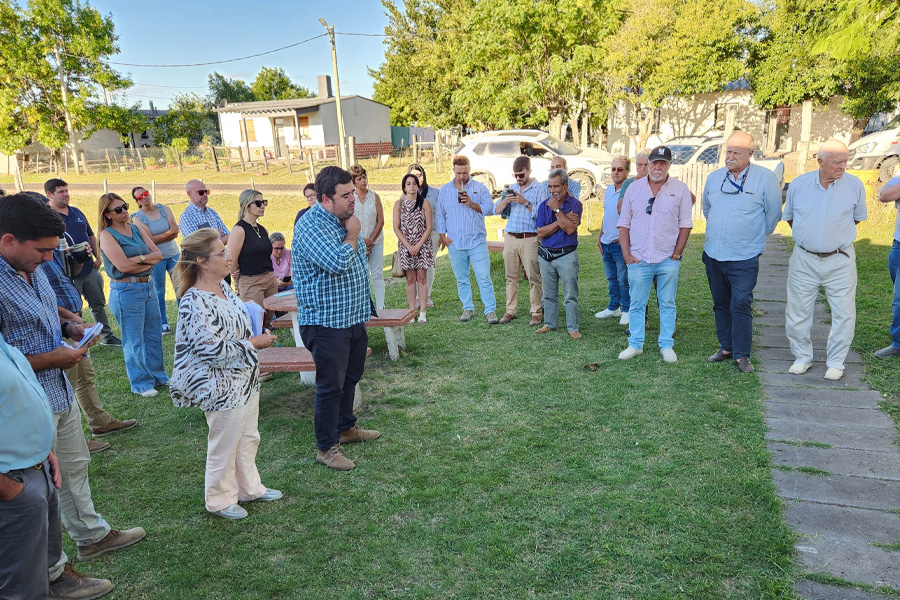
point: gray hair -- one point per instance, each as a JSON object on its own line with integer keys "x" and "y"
{"x": 645, "y": 153}
{"x": 561, "y": 173}
{"x": 623, "y": 158}
{"x": 276, "y": 236}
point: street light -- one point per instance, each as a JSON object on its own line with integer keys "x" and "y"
{"x": 337, "y": 91}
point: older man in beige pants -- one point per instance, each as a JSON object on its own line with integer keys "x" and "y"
{"x": 823, "y": 208}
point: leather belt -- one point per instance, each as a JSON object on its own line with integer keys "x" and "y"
{"x": 520, "y": 236}
{"x": 134, "y": 279}
{"x": 824, "y": 254}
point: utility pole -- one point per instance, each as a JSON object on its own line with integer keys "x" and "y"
{"x": 337, "y": 91}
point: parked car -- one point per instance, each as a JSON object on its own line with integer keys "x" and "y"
{"x": 879, "y": 150}
{"x": 492, "y": 154}
{"x": 693, "y": 150}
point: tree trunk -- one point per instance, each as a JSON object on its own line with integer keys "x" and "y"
{"x": 859, "y": 126}
{"x": 645, "y": 123}
{"x": 573, "y": 123}
{"x": 556, "y": 122}
{"x": 585, "y": 129}
{"x": 70, "y": 128}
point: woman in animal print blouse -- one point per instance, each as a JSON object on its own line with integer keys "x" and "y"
{"x": 217, "y": 369}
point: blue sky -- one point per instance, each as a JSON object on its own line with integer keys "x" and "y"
{"x": 194, "y": 31}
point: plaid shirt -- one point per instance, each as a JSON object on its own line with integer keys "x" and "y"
{"x": 331, "y": 279}
{"x": 194, "y": 218}
{"x": 67, "y": 294}
{"x": 29, "y": 321}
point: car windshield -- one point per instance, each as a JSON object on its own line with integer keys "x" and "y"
{"x": 682, "y": 154}
{"x": 892, "y": 124}
{"x": 559, "y": 146}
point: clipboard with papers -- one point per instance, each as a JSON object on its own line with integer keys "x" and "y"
{"x": 90, "y": 334}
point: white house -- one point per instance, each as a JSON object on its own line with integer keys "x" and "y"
{"x": 279, "y": 125}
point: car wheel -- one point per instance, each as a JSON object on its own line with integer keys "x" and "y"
{"x": 587, "y": 183}
{"x": 887, "y": 167}
{"x": 487, "y": 179}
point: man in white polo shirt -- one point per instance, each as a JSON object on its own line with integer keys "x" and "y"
{"x": 823, "y": 208}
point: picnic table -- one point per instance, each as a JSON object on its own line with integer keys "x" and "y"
{"x": 297, "y": 360}
{"x": 392, "y": 320}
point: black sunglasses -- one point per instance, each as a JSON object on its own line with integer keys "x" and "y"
{"x": 118, "y": 210}
{"x": 203, "y": 192}
{"x": 260, "y": 203}
{"x": 650, "y": 206}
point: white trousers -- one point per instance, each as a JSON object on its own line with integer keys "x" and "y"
{"x": 376, "y": 270}
{"x": 837, "y": 274}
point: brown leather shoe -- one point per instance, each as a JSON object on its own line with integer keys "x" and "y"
{"x": 507, "y": 318}
{"x": 575, "y": 335}
{"x": 355, "y": 434}
{"x": 97, "y": 446}
{"x": 535, "y": 320}
{"x": 333, "y": 458}
{"x": 743, "y": 363}
{"x": 113, "y": 426}
{"x": 544, "y": 329}
{"x": 719, "y": 356}
{"x": 72, "y": 584}
{"x": 114, "y": 540}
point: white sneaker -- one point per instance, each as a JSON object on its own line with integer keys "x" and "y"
{"x": 834, "y": 374}
{"x": 149, "y": 393}
{"x": 606, "y": 313}
{"x": 629, "y": 352}
{"x": 669, "y": 355}
{"x": 625, "y": 320}
{"x": 799, "y": 367}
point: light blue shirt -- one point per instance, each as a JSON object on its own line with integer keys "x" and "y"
{"x": 611, "y": 214}
{"x": 825, "y": 220}
{"x": 739, "y": 221}
{"x": 26, "y": 423}
{"x": 463, "y": 225}
{"x": 574, "y": 189}
{"x": 522, "y": 219}
{"x": 895, "y": 181}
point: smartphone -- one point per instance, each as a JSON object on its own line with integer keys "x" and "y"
{"x": 286, "y": 279}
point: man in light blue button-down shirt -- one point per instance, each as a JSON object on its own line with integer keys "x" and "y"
{"x": 742, "y": 205}
{"x": 461, "y": 208}
{"x": 823, "y": 208}
{"x": 520, "y": 242}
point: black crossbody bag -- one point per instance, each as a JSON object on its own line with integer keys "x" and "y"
{"x": 551, "y": 254}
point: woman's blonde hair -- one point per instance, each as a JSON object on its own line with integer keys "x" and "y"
{"x": 102, "y": 206}
{"x": 195, "y": 246}
{"x": 244, "y": 200}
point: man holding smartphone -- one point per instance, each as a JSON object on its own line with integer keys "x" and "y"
{"x": 520, "y": 242}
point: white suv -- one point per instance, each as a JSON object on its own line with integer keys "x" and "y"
{"x": 492, "y": 154}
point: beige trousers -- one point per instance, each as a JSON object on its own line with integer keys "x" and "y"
{"x": 81, "y": 376}
{"x": 257, "y": 288}
{"x": 837, "y": 274}
{"x": 231, "y": 473}
{"x": 516, "y": 253}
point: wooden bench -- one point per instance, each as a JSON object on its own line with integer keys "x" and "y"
{"x": 393, "y": 320}
{"x": 495, "y": 246}
{"x": 283, "y": 322}
{"x": 296, "y": 360}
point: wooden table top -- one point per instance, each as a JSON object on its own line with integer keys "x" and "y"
{"x": 387, "y": 317}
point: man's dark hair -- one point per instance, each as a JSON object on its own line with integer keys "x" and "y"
{"x": 29, "y": 219}
{"x": 51, "y": 185}
{"x": 36, "y": 196}
{"x": 328, "y": 179}
{"x": 521, "y": 163}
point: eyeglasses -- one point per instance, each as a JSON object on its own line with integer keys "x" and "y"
{"x": 617, "y": 169}
{"x": 277, "y": 249}
{"x": 142, "y": 196}
{"x": 311, "y": 196}
{"x": 650, "y": 206}
{"x": 118, "y": 210}
{"x": 223, "y": 254}
{"x": 203, "y": 192}
{"x": 260, "y": 203}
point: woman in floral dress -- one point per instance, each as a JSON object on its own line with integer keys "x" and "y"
{"x": 412, "y": 224}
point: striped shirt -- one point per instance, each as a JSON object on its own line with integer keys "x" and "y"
{"x": 463, "y": 225}
{"x": 522, "y": 219}
{"x": 194, "y": 218}
{"x": 331, "y": 279}
{"x": 29, "y": 321}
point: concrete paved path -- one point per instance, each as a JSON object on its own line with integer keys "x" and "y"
{"x": 835, "y": 451}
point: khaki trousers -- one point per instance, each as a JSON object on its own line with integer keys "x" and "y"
{"x": 837, "y": 274}
{"x": 231, "y": 473}
{"x": 81, "y": 376}
{"x": 516, "y": 253}
{"x": 257, "y": 288}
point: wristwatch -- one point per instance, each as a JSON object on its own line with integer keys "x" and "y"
{"x": 676, "y": 257}
{"x": 557, "y": 210}
{"x": 143, "y": 258}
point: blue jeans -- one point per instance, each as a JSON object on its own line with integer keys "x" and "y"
{"x": 480, "y": 260}
{"x": 564, "y": 270}
{"x": 640, "y": 278}
{"x": 138, "y": 316}
{"x": 617, "y": 276}
{"x": 166, "y": 265}
{"x": 893, "y": 264}
{"x": 731, "y": 283}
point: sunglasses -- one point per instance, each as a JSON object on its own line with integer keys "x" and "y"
{"x": 118, "y": 210}
{"x": 520, "y": 175}
{"x": 142, "y": 196}
{"x": 617, "y": 169}
{"x": 260, "y": 203}
{"x": 203, "y": 192}
{"x": 650, "y": 206}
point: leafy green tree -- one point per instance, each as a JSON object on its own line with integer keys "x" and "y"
{"x": 122, "y": 119}
{"x": 274, "y": 84}
{"x": 190, "y": 117}
{"x": 232, "y": 90}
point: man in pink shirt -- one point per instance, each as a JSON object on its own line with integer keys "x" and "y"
{"x": 653, "y": 230}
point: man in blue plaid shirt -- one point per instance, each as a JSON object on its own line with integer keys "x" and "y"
{"x": 331, "y": 282}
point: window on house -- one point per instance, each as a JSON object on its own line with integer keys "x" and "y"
{"x": 251, "y": 131}
{"x": 303, "y": 123}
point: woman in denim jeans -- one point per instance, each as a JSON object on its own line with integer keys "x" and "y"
{"x": 128, "y": 257}
{"x": 160, "y": 220}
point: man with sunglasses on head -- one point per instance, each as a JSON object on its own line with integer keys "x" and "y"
{"x": 653, "y": 230}
{"x": 519, "y": 206}
{"x": 198, "y": 215}
{"x": 610, "y": 249}
{"x": 742, "y": 205}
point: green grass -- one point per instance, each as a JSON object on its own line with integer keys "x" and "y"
{"x": 826, "y": 579}
{"x": 506, "y": 470}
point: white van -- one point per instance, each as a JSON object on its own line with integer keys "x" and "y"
{"x": 879, "y": 150}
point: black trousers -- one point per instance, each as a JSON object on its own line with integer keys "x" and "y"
{"x": 731, "y": 284}
{"x": 340, "y": 357}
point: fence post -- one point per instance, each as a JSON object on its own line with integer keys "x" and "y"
{"x": 265, "y": 159}
{"x": 312, "y": 165}
{"x": 108, "y": 161}
{"x": 105, "y": 186}
{"x": 351, "y": 149}
{"x": 178, "y": 156}
{"x": 439, "y": 150}
{"x": 153, "y": 189}
{"x": 141, "y": 160}
{"x": 290, "y": 166}
{"x": 415, "y": 148}
{"x": 215, "y": 158}
{"x": 229, "y": 156}
{"x": 241, "y": 154}
{"x": 252, "y": 184}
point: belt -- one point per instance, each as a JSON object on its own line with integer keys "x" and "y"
{"x": 824, "y": 254}
{"x": 520, "y": 236}
{"x": 145, "y": 279}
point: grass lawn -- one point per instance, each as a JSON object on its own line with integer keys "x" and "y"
{"x": 506, "y": 469}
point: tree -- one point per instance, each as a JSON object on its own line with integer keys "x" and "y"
{"x": 189, "y": 117}
{"x": 122, "y": 119}
{"x": 232, "y": 90}
{"x": 274, "y": 84}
